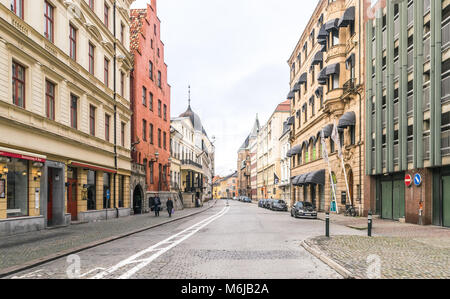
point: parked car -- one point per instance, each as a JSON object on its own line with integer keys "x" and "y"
{"x": 278, "y": 205}
{"x": 267, "y": 203}
{"x": 261, "y": 203}
{"x": 303, "y": 210}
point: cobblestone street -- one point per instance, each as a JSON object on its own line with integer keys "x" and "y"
{"x": 20, "y": 249}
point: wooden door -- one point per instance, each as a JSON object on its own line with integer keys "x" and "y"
{"x": 72, "y": 208}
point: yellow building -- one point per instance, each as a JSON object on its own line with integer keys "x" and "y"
{"x": 327, "y": 74}
{"x": 64, "y": 132}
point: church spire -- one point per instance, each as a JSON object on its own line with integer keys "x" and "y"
{"x": 189, "y": 96}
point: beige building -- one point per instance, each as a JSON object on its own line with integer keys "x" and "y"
{"x": 269, "y": 153}
{"x": 327, "y": 74}
{"x": 62, "y": 125}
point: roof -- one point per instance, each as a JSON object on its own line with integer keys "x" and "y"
{"x": 284, "y": 106}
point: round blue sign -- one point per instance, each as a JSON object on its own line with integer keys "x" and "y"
{"x": 418, "y": 180}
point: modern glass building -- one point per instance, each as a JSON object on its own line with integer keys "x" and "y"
{"x": 408, "y": 110}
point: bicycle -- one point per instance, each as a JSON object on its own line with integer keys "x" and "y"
{"x": 350, "y": 211}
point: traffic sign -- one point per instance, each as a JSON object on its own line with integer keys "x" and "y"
{"x": 408, "y": 180}
{"x": 418, "y": 180}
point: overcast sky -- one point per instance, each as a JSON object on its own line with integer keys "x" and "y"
{"x": 234, "y": 55}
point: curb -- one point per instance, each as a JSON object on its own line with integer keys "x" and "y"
{"x": 321, "y": 256}
{"x": 52, "y": 257}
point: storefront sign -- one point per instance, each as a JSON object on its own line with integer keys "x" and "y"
{"x": 23, "y": 157}
{"x": 408, "y": 180}
{"x": 2, "y": 188}
{"x": 418, "y": 180}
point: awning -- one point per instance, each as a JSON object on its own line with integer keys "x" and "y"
{"x": 289, "y": 154}
{"x": 295, "y": 180}
{"x": 320, "y": 19}
{"x": 350, "y": 61}
{"x": 296, "y": 150}
{"x": 327, "y": 130}
{"x": 333, "y": 24}
{"x": 348, "y": 119}
{"x": 323, "y": 34}
{"x": 12, "y": 153}
{"x": 318, "y": 58}
{"x": 302, "y": 180}
{"x": 348, "y": 17}
{"x": 303, "y": 79}
{"x": 92, "y": 167}
{"x": 311, "y": 100}
{"x": 291, "y": 95}
{"x": 319, "y": 91}
{"x": 291, "y": 120}
{"x": 322, "y": 79}
{"x": 333, "y": 69}
{"x": 296, "y": 87}
{"x": 315, "y": 178}
{"x": 304, "y": 107}
{"x": 305, "y": 144}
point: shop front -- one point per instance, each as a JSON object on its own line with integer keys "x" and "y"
{"x": 20, "y": 191}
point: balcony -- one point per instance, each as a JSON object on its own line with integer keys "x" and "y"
{"x": 426, "y": 98}
{"x": 138, "y": 169}
{"x": 445, "y": 36}
{"x": 336, "y": 51}
{"x": 445, "y": 89}
{"x": 189, "y": 164}
{"x": 445, "y": 142}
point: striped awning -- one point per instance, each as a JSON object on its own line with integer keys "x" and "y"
{"x": 348, "y": 17}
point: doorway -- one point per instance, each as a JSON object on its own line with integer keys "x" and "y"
{"x": 392, "y": 199}
{"x": 137, "y": 200}
{"x": 72, "y": 208}
{"x": 50, "y": 197}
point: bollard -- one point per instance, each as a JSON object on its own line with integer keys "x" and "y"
{"x": 369, "y": 225}
{"x": 327, "y": 224}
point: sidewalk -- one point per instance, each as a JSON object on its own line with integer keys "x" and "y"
{"x": 405, "y": 250}
{"x": 26, "y": 249}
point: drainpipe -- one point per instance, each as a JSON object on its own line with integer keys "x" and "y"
{"x": 115, "y": 107}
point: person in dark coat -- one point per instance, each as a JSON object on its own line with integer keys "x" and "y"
{"x": 157, "y": 204}
{"x": 170, "y": 207}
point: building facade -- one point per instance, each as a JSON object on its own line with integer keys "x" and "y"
{"x": 195, "y": 152}
{"x": 285, "y": 171}
{"x": 269, "y": 153}
{"x": 408, "y": 118}
{"x": 64, "y": 98}
{"x": 227, "y": 187}
{"x": 150, "y": 102}
{"x": 327, "y": 89}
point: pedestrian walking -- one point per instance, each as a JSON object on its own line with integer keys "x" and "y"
{"x": 157, "y": 204}
{"x": 170, "y": 207}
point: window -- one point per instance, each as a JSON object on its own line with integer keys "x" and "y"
{"x": 333, "y": 82}
{"x": 165, "y": 112}
{"x": 106, "y": 17}
{"x": 107, "y": 126}
{"x": 73, "y": 111}
{"x": 92, "y": 120}
{"x": 92, "y": 189}
{"x": 154, "y": 29}
{"x": 159, "y": 138}
{"x": 17, "y": 8}
{"x": 18, "y": 85}
{"x": 150, "y": 69}
{"x": 151, "y": 172}
{"x": 122, "y": 33}
{"x": 164, "y": 140}
{"x": 151, "y": 133}
{"x": 150, "y": 103}
{"x": 159, "y": 79}
{"x": 158, "y": 53}
{"x": 92, "y": 4}
{"x": 159, "y": 108}
{"x": 17, "y": 188}
{"x": 73, "y": 42}
{"x": 334, "y": 37}
{"x": 144, "y": 130}
{"x": 49, "y": 22}
{"x": 122, "y": 84}
{"x": 106, "y": 72}
{"x": 91, "y": 59}
{"x": 122, "y": 134}
{"x": 144, "y": 96}
{"x": 151, "y": 43}
{"x": 50, "y": 100}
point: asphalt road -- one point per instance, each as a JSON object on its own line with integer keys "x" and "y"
{"x": 241, "y": 241}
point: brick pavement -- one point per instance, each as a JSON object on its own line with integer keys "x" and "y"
{"x": 405, "y": 250}
{"x": 24, "y": 248}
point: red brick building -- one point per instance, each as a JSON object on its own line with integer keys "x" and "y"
{"x": 150, "y": 101}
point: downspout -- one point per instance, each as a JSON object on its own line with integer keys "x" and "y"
{"x": 115, "y": 107}
{"x": 360, "y": 106}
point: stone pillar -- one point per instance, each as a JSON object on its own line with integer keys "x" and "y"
{"x": 81, "y": 181}
{"x": 3, "y": 201}
{"x": 127, "y": 197}
{"x": 99, "y": 191}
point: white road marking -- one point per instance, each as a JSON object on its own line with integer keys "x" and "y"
{"x": 28, "y": 275}
{"x": 172, "y": 242}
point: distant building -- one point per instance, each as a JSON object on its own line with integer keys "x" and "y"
{"x": 227, "y": 187}
{"x": 285, "y": 179}
{"x": 269, "y": 153}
